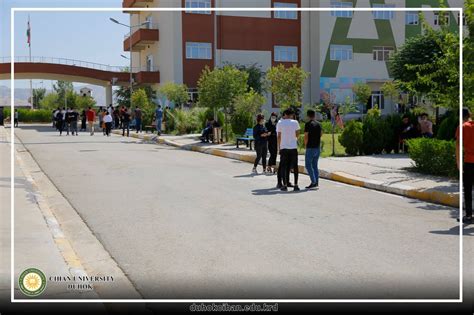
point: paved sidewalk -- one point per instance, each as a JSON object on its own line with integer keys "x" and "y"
{"x": 388, "y": 173}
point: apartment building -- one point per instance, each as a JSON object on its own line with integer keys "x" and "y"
{"x": 337, "y": 48}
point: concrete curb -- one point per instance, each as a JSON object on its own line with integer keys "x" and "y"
{"x": 429, "y": 195}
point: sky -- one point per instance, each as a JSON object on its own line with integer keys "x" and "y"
{"x": 86, "y": 36}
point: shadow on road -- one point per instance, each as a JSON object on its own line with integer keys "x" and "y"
{"x": 275, "y": 191}
{"x": 467, "y": 231}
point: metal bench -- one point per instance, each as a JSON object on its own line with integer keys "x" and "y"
{"x": 247, "y": 138}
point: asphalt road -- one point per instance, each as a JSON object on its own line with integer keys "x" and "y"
{"x": 188, "y": 225}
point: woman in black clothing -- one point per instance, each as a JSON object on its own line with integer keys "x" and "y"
{"x": 260, "y": 135}
{"x": 83, "y": 120}
{"x": 272, "y": 142}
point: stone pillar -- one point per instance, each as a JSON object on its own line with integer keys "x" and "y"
{"x": 108, "y": 95}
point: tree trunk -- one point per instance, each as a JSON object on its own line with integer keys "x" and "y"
{"x": 333, "y": 143}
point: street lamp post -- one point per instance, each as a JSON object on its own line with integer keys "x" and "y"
{"x": 130, "y": 45}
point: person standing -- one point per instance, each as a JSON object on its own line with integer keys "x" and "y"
{"x": 15, "y": 121}
{"x": 108, "y": 123}
{"x": 138, "y": 119}
{"x": 67, "y": 120}
{"x": 100, "y": 114}
{"x": 272, "y": 142}
{"x": 90, "y": 120}
{"x": 83, "y": 120}
{"x": 426, "y": 126}
{"x": 73, "y": 116}
{"x": 468, "y": 161}
{"x": 288, "y": 131}
{"x": 125, "y": 122}
{"x": 159, "y": 119}
{"x": 312, "y": 141}
{"x": 260, "y": 135}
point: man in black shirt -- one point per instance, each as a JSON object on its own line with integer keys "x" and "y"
{"x": 72, "y": 117}
{"x": 125, "y": 122}
{"x": 312, "y": 142}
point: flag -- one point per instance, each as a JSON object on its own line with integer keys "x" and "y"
{"x": 28, "y": 34}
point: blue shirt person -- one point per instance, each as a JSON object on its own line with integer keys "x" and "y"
{"x": 159, "y": 118}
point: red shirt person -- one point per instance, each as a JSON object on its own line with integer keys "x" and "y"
{"x": 90, "y": 120}
{"x": 468, "y": 161}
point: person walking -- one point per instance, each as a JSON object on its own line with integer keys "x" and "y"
{"x": 116, "y": 116}
{"x": 73, "y": 117}
{"x": 288, "y": 131}
{"x": 138, "y": 119}
{"x": 67, "y": 120}
{"x": 125, "y": 122}
{"x": 312, "y": 142}
{"x": 260, "y": 134}
{"x": 83, "y": 120}
{"x": 61, "y": 119}
{"x": 468, "y": 161}
{"x": 108, "y": 123}
{"x": 90, "y": 120}
{"x": 272, "y": 142}
{"x": 159, "y": 119}
{"x": 15, "y": 121}
{"x": 100, "y": 114}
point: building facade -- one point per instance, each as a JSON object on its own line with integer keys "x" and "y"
{"x": 337, "y": 48}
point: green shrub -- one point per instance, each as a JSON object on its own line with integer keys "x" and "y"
{"x": 394, "y": 123}
{"x": 183, "y": 121}
{"x": 240, "y": 122}
{"x": 30, "y": 115}
{"x": 376, "y": 134}
{"x": 327, "y": 127}
{"x": 352, "y": 137}
{"x": 448, "y": 126}
{"x": 206, "y": 113}
{"x": 433, "y": 156}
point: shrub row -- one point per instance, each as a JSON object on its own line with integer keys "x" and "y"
{"x": 434, "y": 156}
{"x": 30, "y": 115}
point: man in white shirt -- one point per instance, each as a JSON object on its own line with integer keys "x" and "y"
{"x": 288, "y": 131}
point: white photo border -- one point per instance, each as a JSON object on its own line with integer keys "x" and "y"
{"x": 12, "y": 161}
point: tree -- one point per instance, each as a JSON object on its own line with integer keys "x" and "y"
{"x": 246, "y": 107}
{"x": 122, "y": 95}
{"x": 286, "y": 85}
{"x": 176, "y": 93}
{"x": 218, "y": 89}
{"x": 38, "y": 95}
{"x": 62, "y": 87}
{"x": 256, "y": 78}
{"x": 390, "y": 90}
{"x": 468, "y": 62}
{"x": 140, "y": 99}
{"x": 50, "y": 101}
{"x": 362, "y": 92}
{"x": 428, "y": 65}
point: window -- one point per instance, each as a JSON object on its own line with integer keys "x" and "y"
{"x": 343, "y": 14}
{"x": 149, "y": 63}
{"x": 191, "y": 4}
{"x": 412, "y": 18}
{"x": 341, "y": 52}
{"x": 291, "y": 15}
{"x": 464, "y": 21}
{"x": 198, "y": 50}
{"x": 377, "y": 99}
{"x": 383, "y": 15}
{"x": 382, "y": 53}
{"x": 443, "y": 20}
{"x": 286, "y": 54}
{"x": 149, "y": 22}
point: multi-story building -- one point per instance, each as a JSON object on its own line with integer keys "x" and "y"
{"x": 337, "y": 48}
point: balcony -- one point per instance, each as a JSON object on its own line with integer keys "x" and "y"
{"x": 134, "y": 4}
{"x": 146, "y": 75}
{"x": 146, "y": 35}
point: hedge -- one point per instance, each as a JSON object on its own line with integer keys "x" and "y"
{"x": 30, "y": 115}
{"x": 433, "y": 156}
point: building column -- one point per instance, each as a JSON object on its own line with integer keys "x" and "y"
{"x": 108, "y": 95}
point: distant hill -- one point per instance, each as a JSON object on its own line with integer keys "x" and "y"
{"x": 22, "y": 94}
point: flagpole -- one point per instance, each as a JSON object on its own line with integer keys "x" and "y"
{"x": 29, "y": 48}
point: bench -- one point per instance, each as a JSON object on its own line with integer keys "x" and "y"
{"x": 247, "y": 138}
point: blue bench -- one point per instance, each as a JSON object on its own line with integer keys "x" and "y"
{"x": 247, "y": 138}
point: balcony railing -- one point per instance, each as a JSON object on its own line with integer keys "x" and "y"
{"x": 77, "y": 63}
{"x": 147, "y": 26}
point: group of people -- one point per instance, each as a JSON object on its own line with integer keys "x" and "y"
{"x": 280, "y": 136}
{"x": 66, "y": 119}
